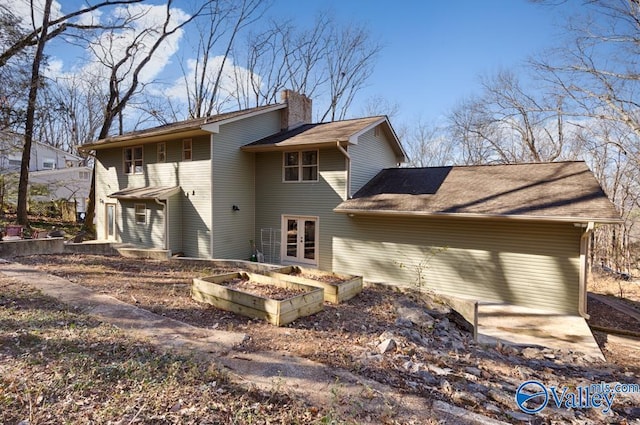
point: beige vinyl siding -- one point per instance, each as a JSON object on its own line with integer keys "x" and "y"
{"x": 371, "y": 155}
{"x": 149, "y": 234}
{"x": 234, "y": 184}
{"x": 174, "y": 208}
{"x": 194, "y": 177}
{"x": 314, "y": 199}
{"x": 519, "y": 262}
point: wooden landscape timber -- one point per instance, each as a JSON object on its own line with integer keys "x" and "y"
{"x": 211, "y": 289}
{"x": 337, "y": 288}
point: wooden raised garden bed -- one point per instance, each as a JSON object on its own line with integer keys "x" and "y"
{"x": 337, "y": 287}
{"x": 254, "y": 295}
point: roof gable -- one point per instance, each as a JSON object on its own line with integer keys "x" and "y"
{"x": 325, "y": 134}
{"x": 546, "y": 191}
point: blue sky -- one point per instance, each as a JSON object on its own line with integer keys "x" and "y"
{"x": 435, "y": 51}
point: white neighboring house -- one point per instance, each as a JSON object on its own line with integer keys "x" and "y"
{"x": 63, "y": 173}
{"x": 71, "y": 183}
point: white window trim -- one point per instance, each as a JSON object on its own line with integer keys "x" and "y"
{"x": 190, "y": 150}
{"x": 133, "y": 161}
{"x": 163, "y": 152}
{"x": 137, "y": 214}
{"x": 300, "y": 166}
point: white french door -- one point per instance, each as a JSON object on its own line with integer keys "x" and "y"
{"x": 300, "y": 239}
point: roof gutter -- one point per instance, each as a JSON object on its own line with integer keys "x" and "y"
{"x": 348, "y": 159}
{"x": 390, "y": 213}
{"x": 584, "y": 269}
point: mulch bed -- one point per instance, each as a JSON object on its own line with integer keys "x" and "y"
{"x": 263, "y": 290}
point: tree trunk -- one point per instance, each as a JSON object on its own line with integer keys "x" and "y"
{"x": 30, "y": 119}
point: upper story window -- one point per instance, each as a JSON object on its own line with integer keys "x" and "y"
{"x": 187, "y": 150}
{"x": 162, "y": 152}
{"x": 133, "y": 160}
{"x": 301, "y": 166}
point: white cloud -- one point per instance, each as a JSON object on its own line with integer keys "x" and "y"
{"x": 22, "y": 9}
{"x": 90, "y": 18}
{"x": 235, "y": 82}
{"x": 142, "y": 32}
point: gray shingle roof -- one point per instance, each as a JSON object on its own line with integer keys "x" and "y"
{"x": 176, "y": 127}
{"x": 546, "y": 191}
{"x": 320, "y": 134}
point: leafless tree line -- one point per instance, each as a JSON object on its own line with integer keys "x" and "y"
{"x": 329, "y": 60}
{"x": 579, "y": 102}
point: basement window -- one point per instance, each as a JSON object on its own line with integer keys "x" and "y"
{"x": 300, "y": 166}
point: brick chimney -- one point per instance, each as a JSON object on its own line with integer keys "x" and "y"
{"x": 297, "y": 112}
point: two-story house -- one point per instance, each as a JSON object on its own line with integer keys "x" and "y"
{"x": 332, "y": 196}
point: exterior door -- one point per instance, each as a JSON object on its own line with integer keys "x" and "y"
{"x": 110, "y": 221}
{"x": 300, "y": 239}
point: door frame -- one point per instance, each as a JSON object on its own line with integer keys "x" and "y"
{"x": 114, "y": 221}
{"x": 300, "y": 243}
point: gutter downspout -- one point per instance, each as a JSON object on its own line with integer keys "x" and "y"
{"x": 165, "y": 237}
{"x": 348, "y": 158}
{"x": 584, "y": 264}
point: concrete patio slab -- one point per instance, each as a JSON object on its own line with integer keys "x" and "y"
{"x": 522, "y": 326}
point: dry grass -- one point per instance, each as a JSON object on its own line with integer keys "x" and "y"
{"x": 607, "y": 284}
{"x": 56, "y": 363}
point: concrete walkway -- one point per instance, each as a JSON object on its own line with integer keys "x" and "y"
{"x": 337, "y": 391}
{"x": 517, "y": 325}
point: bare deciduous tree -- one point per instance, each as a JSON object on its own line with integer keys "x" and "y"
{"x": 508, "y": 124}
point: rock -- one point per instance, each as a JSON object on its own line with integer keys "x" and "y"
{"x": 531, "y": 353}
{"x": 519, "y": 416}
{"x": 473, "y": 371}
{"x": 386, "y": 346}
{"x": 492, "y": 408}
{"x": 367, "y": 358}
{"x": 446, "y": 387}
{"x": 385, "y": 335}
{"x": 444, "y": 324}
{"x": 439, "y": 371}
{"x": 428, "y": 378}
{"x": 414, "y": 336}
{"x": 403, "y": 323}
{"x": 408, "y": 310}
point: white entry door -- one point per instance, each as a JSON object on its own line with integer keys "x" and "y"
{"x": 300, "y": 239}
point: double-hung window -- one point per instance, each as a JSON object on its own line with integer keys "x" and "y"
{"x": 162, "y": 152}
{"x": 187, "y": 150}
{"x": 300, "y": 166}
{"x": 133, "y": 160}
{"x": 141, "y": 213}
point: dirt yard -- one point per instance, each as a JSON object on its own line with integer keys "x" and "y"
{"x": 433, "y": 358}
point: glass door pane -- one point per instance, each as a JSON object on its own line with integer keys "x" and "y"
{"x": 292, "y": 238}
{"x": 310, "y": 239}
{"x": 111, "y": 218}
